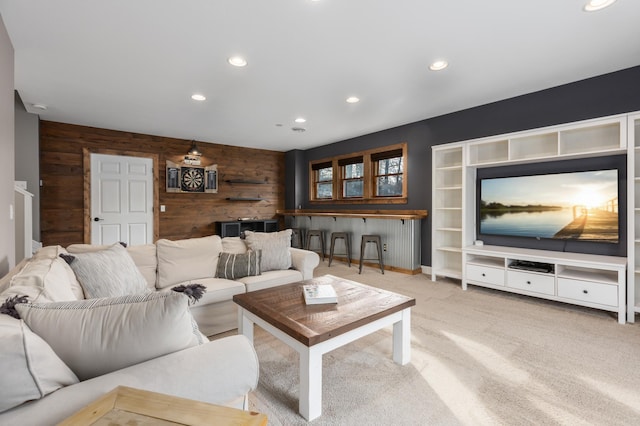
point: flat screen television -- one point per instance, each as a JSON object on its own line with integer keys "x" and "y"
{"x": 572, "y": 205}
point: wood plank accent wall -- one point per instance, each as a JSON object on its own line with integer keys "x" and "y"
{"x": 187, "y": 215}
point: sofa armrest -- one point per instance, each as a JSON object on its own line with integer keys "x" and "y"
{"x": 219, "y": 372}
{"x": 304, "y": 261}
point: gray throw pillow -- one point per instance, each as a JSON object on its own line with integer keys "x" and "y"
{"x": 107, "y": 273}
{"x": 232, "y": 266}
{"x": 98, "y": 336}
{"x": 275, "y": 248}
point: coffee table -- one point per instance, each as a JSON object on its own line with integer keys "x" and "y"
{"x": 129, "y": 406}
{"x": 313, "y": 330}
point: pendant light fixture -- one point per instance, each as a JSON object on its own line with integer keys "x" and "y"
{"x": 194, "y": 149}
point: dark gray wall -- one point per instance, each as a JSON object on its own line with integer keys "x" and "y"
{"x": 609, "y": 94}
{"x": 28, "y": 157}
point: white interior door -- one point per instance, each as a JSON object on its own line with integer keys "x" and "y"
{"x": 121, "y": 199}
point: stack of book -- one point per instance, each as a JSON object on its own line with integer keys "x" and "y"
{"x": 315, "y": 294}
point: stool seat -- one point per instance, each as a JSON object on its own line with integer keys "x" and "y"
{"x": 344, "y": 236}
{"x": 315, "y": 233}
{"x": 297, "y": 239}
{"x": 371, "y": 239}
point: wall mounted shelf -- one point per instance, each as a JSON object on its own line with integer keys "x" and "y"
{"x": 247, "y": 181}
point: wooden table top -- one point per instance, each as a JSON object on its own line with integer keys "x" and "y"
{"x": 360, "y": 214}
{"x": 358, "y": 304}
{"x": 129, "y": 406}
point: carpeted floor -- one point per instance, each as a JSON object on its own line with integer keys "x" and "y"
{"x": 479, "y": 357}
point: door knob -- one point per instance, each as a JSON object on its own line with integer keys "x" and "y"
{"x": 97, "y": 219}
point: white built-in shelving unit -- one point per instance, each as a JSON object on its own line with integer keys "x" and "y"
{"x": 448, "y": 177}
{"x": 633, "y": 197}
{"x": 595, "y": 281}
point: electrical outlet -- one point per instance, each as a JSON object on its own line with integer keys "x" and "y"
{"x": 384, "y": 247}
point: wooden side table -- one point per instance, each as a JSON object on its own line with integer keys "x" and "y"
{"x": 125, "y": 405}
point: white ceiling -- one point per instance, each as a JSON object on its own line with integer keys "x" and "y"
{"x": 133, "y": 65}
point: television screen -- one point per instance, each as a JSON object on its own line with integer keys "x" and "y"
{"x": 571, "y": 205}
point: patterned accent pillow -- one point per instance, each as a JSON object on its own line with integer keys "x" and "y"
{"x": 232, "y": 266}
{"x": 30, "y": 369}
{"x": 103, "y": 335}
{"x": 274, "y": 246}
{"x": 107, "y": 273}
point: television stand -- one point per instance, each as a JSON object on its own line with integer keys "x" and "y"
{"x": 580, "y": 279}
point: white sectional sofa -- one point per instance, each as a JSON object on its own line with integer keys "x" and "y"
{"x": 195, "y": 260}
{"x": 67, "y": 350}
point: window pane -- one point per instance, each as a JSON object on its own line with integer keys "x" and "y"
{"x": 354, "y": 170}
{"x": 324, "y": 190}
{"x": 353, "y": 188}
{"x": 387, "y": 186}
{"x": 390, "y": 166}
{"x": 325, "y": 174}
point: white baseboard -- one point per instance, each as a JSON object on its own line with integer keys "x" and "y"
{"x": 426, "y": 269}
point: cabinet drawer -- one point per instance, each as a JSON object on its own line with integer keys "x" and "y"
{"x": 544, "y": 284}
{"x": 586, "y": 291}
{"x": 485, "y": 274}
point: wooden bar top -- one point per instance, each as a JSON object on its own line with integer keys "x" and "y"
{"x": 358, "y": 304}
{"x": 368, "y": 214}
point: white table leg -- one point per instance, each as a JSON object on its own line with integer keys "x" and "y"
{"x": 310, "y": 405}
{"x": 402, "y": 339}
{"x": 245, "y": 325}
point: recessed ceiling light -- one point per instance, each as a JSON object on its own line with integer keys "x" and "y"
{"x": 594, "y": 5}
{"x": 438, "y": 65}
{"x": 300, "y": 120}
{"x": 237, "y": 61}
{"x": 353, "y": 100}
{"x": 198, "y": 97}
{"x": 39, "y": 106}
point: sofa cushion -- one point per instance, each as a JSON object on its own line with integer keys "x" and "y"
{"x": 233, "y": 266}
{"x": 103, "y": 335}
{"x": 217, "y": 290}
{"x": 30, "y": 369}
{"x": 144, "y": 256}
{"x": 185, "y": 260}
{"x": 234, "y": 245}
{"x": 108, "y": 273}
{"x": 274, "y": 246}
{"x": 45, "y": 279}
{"x": 271, "y": 279}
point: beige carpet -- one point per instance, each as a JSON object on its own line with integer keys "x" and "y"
{"x": 479, "y": 357}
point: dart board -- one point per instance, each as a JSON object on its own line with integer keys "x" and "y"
{"x": 192, "y": 179}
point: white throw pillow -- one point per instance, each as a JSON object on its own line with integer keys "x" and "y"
{"x": 45, "y": 278}
{"x": 30, "y": 369}
{"x": 108, "y": 273}
{"x": 97, "y": 336}
{"x": 187, "y": 260}
{"x": 274, "y": 246}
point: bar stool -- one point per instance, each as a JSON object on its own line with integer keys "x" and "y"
{"x": 297, "y": 239}
{"x": 371, "y": 239}
{"x": 347, "y": 245}
{"x": 315, "y": 233}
